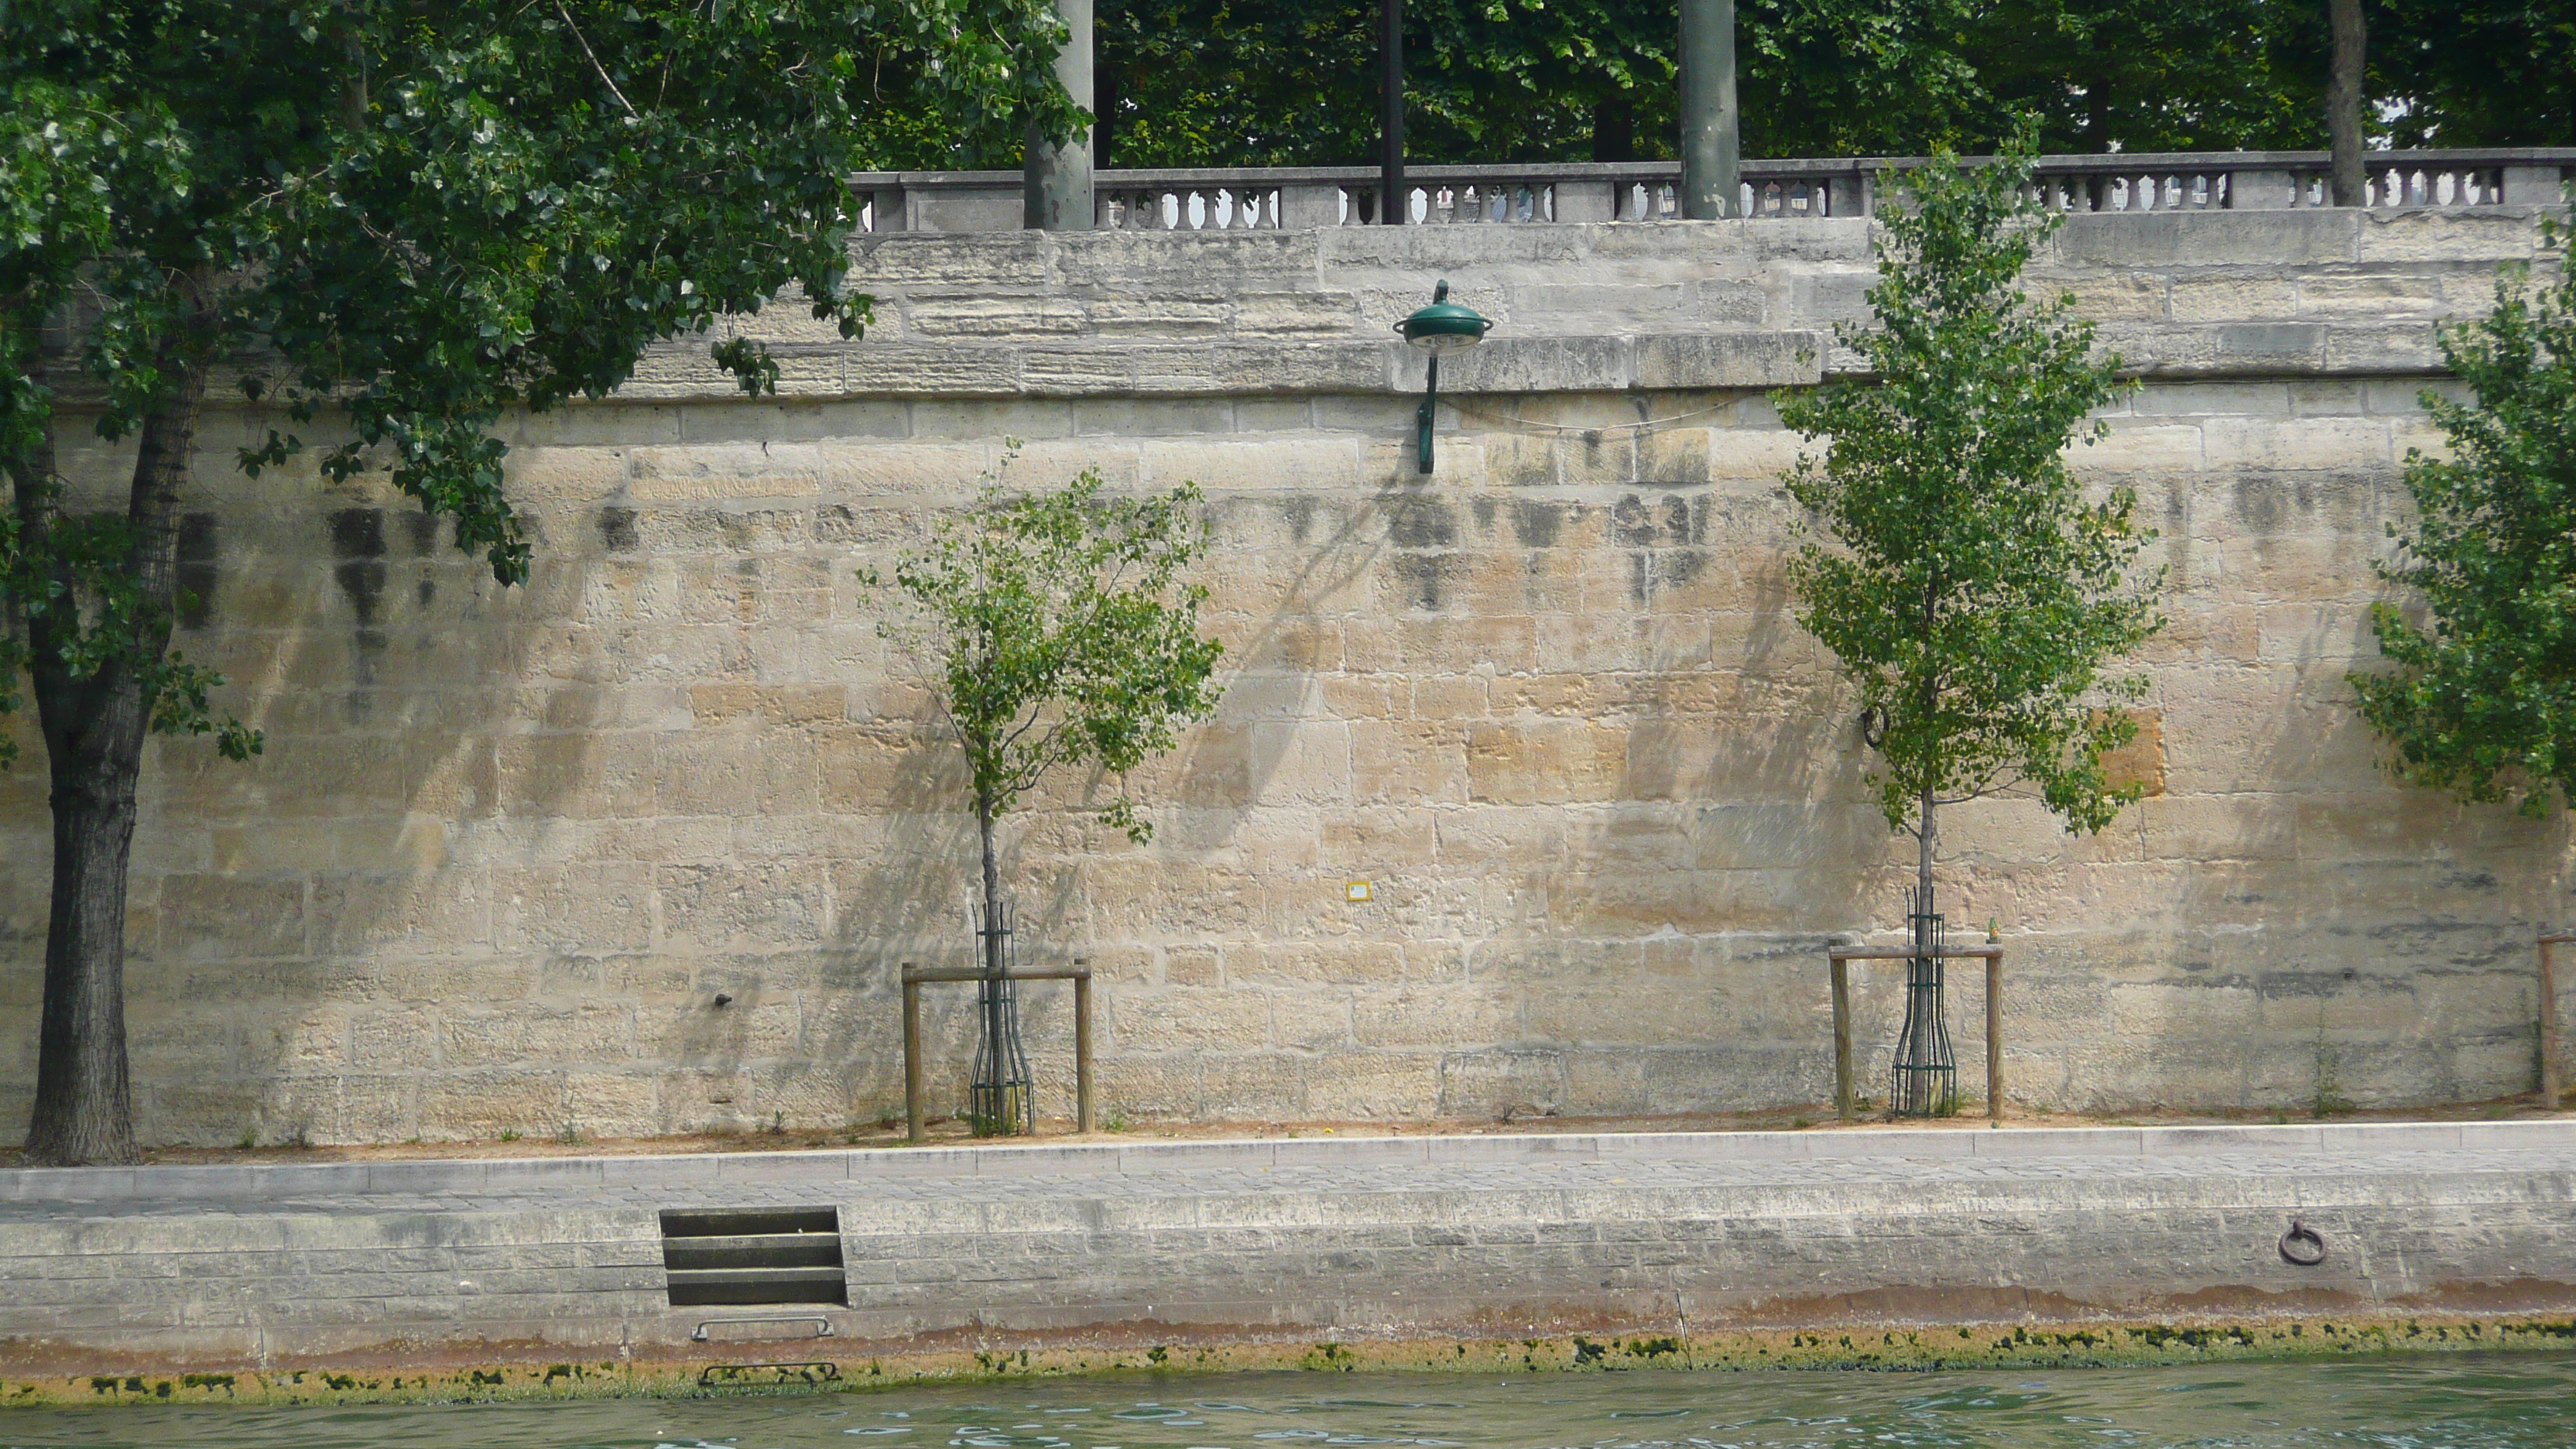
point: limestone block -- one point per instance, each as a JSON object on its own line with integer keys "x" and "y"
{"x": 2115, "y": 297}
{"x": 2450, "y": 237}
{"x": 2372, "y": 296}
{"x": 207, "y": 917}
{"x": 1373, "y": 1086}
{"x": 1184, "y": 1019}
{"x": 2402, "y": 347}
{"x": 2202, "y": 239}
{"x": 567, "y": 474}
{"x": 1534, "y": 761}
{"x": 1260, "y": 1087}
{"x": 2231, "y": 298}
{"x": 1295, "y": 964}
{"x": 2317, "y": 443}
{"x": 1438, "y": 645}
{"x": 1266, "y": 367}
{"x": 588, "y": 908}
{"x": 1295, "y": 313}
{"x": 594, "y": 1034}
{"x": 1492, "y": 1082}
{"x": 2182, "y": 398}
{"x": 1304, "y": 463}
{"x": 898, "y": 371}
{"x": 379, "y": 1108}
{"x": 1765, "y": 359}
{"x": 483, "y": 1105}
{"x": 714, "y": 907}
{"x": 881, "y": 262}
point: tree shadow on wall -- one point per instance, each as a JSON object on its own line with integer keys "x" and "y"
{"x": 2343, "y": 937}
{"x": 1720, "y": 836}
{"x": 288, "y": 916}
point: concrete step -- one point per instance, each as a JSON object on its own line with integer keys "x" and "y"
{"x": 693, "y": 1287}
{"x": 768, "y": 1250}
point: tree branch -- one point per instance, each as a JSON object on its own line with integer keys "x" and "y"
{"x": 594, "y": 59}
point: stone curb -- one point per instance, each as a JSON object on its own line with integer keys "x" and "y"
{"x": 296, "y": 1180}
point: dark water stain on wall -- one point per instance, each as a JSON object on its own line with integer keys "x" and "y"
{"x": 617, "y": 530}
{"x": 197, "y": 575}
{"x": 1425, "y": 577}
{"x": 1421, "y": 523}
{"x": 358, "y": 542}
{"x": 1537, "y": 524}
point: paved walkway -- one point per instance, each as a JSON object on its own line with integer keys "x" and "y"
{"x": 1147, "y": 1170}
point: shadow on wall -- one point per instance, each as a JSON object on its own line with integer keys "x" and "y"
{"x": 262, "y": 892}
{"x": 1717, "y": 828}
{"x": 2343, "y": 949}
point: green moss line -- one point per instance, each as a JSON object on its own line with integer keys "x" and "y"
{"x": 1887, "y": 1349}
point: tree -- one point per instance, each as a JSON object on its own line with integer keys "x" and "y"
{"x": 1064, "y": 635}
{"x": 1290, "y": 82}
{"x": 2146, "y": 75}
{"x": 2483, "y": 703}
{"x": 406, "y": 220}
{"x": 2476, "y": 72}
{"x": 1961, "y": 575}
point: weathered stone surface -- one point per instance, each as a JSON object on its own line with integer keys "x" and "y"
{"x": 505, "y": 846}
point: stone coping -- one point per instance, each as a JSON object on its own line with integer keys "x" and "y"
{"x": 255, "y": 1182}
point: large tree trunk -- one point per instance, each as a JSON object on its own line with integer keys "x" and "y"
{"x": 2343, "y": 100}
{"x": 93, "y": 728}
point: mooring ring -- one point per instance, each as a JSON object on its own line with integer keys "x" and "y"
{"x": 2301, "y": 1247}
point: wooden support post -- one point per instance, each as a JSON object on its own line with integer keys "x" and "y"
{"x": 911, "y": 1055}
{"x": 1842, "y": 1040}
{"x": 2549, "y": 1088}
{"x": 1995, "y": 1037}
{"x": 1082, "y": 1116}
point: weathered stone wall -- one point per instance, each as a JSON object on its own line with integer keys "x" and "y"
{"x": 505, "y": 847}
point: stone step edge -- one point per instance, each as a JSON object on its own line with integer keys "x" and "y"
{"x": 254, "y": 1182}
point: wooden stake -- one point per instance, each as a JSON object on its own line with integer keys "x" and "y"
{"x": 1842, "y": 1040}
{"x": 911, "y": 1055}
{"x": 1082, "y": 1118}
{"x": 2549, "y": 1088}
{"x": 1995, "y": 1037}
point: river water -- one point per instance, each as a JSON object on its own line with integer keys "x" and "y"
{"x": 2451, "y": 1402}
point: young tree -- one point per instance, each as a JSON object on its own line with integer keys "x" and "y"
{"x": 2483, "y": 703}
{"x": 1064, "y": 635}
{"x": 413, "y": 219}
{"x": 1961, "y": 575}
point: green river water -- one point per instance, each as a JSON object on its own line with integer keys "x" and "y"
{"x": 2451, "y": 1402}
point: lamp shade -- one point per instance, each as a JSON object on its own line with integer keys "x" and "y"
{"x": 1444, "y": 326}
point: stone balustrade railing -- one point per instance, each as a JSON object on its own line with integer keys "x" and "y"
{"x": 1298, "y": 197}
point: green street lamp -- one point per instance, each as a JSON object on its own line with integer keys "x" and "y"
{"x": 1441, "y": 328}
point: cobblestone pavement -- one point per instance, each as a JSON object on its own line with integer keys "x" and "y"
{"x": 860, "y": 1178}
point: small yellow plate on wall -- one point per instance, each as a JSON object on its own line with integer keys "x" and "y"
{"x": 1357, "y": 890}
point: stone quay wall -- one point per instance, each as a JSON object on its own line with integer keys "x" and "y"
{"x": 506, "y": 847}
{"x": 1428, "y": 1240}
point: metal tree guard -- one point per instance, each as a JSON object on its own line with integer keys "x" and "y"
{"x": 1924, "y": 1081}
{"x": 1000, "y": 1102}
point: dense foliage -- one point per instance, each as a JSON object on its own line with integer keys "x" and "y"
{"x": 1959, "y": 571}
{"x": 1261, "y": 82}
{"x": 2483, "y": 702}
